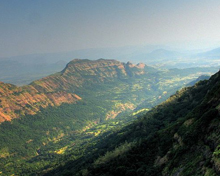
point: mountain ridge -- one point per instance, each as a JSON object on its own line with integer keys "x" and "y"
{"x": 56, "y": 121}
{"x": 64, "y": 86}
{"x": 59, "y": 88}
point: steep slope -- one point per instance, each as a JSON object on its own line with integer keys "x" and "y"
{"x": 107, "y": 88}
{"x": 178, "y": 137}
{"x": 78, "y": 77}
{"x": 17, "y": 101}
{"x": 84, "y": 73}
{"x": 181, "y": 136}
{"x": 59, "y": 88}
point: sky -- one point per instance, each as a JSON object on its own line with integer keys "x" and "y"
{"x": 47, "y": 26}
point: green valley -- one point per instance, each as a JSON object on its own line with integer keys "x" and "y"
{"x": 71, "y": 117}
{"x": 178, "y": 137}
{"x": 109, "y": 88}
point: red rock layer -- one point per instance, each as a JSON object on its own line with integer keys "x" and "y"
{"x": 59, "y": 88}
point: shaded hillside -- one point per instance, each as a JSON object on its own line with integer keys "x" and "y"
{"x": 81, "y": 76}
{"x": 178, "y": 137}
{"x": 108, "y": 90}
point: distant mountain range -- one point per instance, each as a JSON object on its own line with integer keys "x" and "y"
{"x": 21, "y": 70}
{"x": 173, "y": 59}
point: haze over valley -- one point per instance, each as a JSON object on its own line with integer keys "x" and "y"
{"x": 106, "y": 88}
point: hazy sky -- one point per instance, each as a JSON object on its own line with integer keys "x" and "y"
{"x": 42, "y": 26}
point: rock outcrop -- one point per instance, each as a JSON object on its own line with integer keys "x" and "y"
{"x": 60, "y": 88}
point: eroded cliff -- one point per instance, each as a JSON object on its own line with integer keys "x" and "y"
{"x": 59, "y": 88}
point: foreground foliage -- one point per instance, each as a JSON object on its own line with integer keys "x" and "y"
{"x": 178, "y": 137}
{"x": 98, "y": 131}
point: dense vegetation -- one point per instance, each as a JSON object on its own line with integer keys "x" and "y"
{"x": 98, "y": 128}
{"x": 178, "y": 137}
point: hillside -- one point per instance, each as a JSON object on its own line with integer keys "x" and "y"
{"x": 178, "y": 137}
{"x": 60, "y": 115}
{"x": 61, "y": 87}
{"x": 68, "y": 85}
{"x": 18, "y": 101}
{"x": 79, "y": 73}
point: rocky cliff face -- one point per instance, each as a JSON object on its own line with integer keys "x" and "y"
{"x": 59, "y": 88}
{"x": 17, "y": 101}
{"x": 79, "y": 73}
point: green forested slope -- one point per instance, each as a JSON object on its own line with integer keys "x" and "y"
{"x": 36, "y": 144}
{"x": 178, "y": 137}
